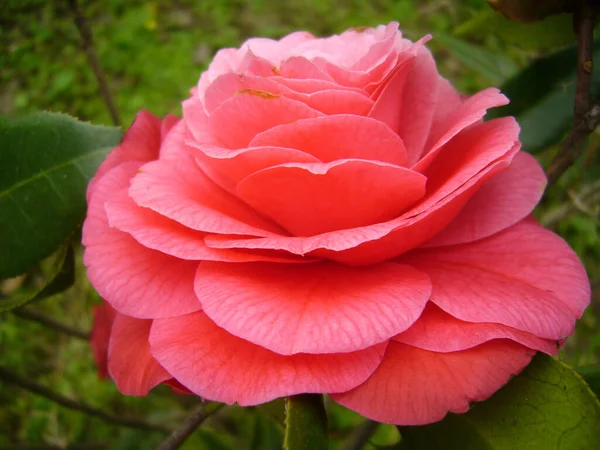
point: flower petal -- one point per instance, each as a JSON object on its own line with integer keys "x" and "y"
{"x": 407, "y": 103}
{"x": 438, "y": 331}
{"x": 219, "y": 366}
{"x": 167, "y": 236}
{"x": 135, "y": 280}
{"x": 415, "y": 387}
{"x": 312, "y": 198}
{"x": 130, "y": 363}
{"x": 179, "y": 190}
{"x": 338, "y": 137}
{"x": 501, "y": 202}
{"x": 233, "y": 126}
{"x": 469, "y": 112}
{"x": 140, "y": 143}
{"x": 104, "y": 315}
{"x": 316, "y": 308}
{"x": 524, "y": 277}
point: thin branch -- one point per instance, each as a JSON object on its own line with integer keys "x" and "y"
{"x": 586, "y": 118}
{"x": 11, "y": 377}
{"x": 584, "y": 200}
{"x": 74, "y": 446}
{"x": 193, "y": 421}
{"x": 94, "y": 62}
{"x": 361, "y": 435}
{"x": 49, "y": 322}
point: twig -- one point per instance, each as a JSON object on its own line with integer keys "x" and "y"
{"x": 75, "y": 446}
{"x": 361, "y": 435}
{"x": 193, "y": 421}
{"x": 586, "y": 118}
{"x": 49, "y": 322}
{"x": 94, "y": 62}
{"x": 582, "y": 200}
{"x": 11, "y": 377}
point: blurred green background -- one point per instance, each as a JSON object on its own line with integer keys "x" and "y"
{"x": 153, "y": 52}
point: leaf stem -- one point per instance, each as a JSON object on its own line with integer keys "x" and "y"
{"x": 13, "y": 378}
{"x": 305, "y": 423}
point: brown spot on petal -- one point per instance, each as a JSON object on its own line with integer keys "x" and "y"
{"x": 262, "y": 94}
{"x": 276, "y": 71}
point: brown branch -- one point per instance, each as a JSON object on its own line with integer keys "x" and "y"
{"x": 94, "y": 62}
{"x": 193, "y": 421}
{"x": 586, "y": 118}
{"x": 584, "y": 200}
{"x": 49, "y": 322}
{"x": 74, "y": 446}
{"x": 13, "y": 378}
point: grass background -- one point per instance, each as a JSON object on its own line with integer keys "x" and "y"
{"x": 153, "y": 52}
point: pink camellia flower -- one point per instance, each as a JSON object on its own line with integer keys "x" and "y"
{"x": 329, "y": 216}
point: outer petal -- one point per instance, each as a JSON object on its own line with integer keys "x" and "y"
{"x": 312, "y": 198}
{"x": 218, "y": 366}
{"x": 140, "y": 143}
{"x": 135, "y": 280}
{"x": 130, "y": 363}
{"x": 179, "y": 190}
{"x": 525, "y": 277}
{"x": 415, "y": 387}
{"x": 104, "y": 315}
{"x": 316, "y": 308}
{"x": 469, "y": 112}
{"x": 165, "y": 235}
{"x": 503, "y": 201}
{"x": 438, "y": 331}
{"x": 338, "y": 137}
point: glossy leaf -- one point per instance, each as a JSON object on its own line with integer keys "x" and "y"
{"x": 60, "y": 278}
{"x": 542, "y": 98}
{"x": 548, "y": 406}
{"x": 46, "y": 162}
{"x": 306, "y": 423}
{"x": 494, "y": 67}
{"x": 591, "y": 375}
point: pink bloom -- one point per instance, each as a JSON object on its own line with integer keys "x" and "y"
{"x": 329, "y": 216}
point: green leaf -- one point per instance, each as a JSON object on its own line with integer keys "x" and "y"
{"x": 548, "y": 406}
{"x": 306, "y": 423}
{"x": 591, "y": 375}
{"x": 542, "y": 97}
{"x": 61, "y": 277}
{"x": 46, "y": 162}
{"x": 496, "y": 68}
{"x": 550, "y": 33}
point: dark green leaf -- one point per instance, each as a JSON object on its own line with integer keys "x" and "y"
{"x": 46, "y": 162}
{"x": 548, "y": 406}
{"x": 496, "y": 68}
{"x": 61, "y": 278}
{"x": 306, "y": 423}
{"x": 591, "y": 375}
{"x": 542, "y": 96}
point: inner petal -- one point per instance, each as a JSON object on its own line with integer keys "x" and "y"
{"x": 313, "y": 198}
{"x": 338, "y": 137}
